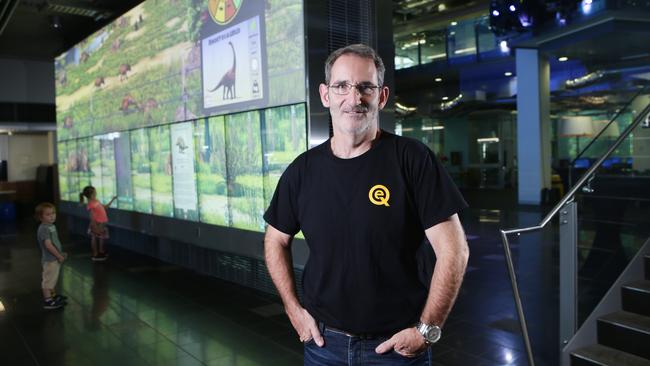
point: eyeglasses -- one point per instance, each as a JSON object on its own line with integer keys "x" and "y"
{"x": 365, "y": 89}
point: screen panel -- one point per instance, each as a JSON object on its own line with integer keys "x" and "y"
{"x": 244, "y": 180}
{"x": 141, "y": 171}
{"x": 107, "y": 152}
{"x": 284, "y": 132}
{"x": 161, "y": 171}
{"x": 123, "y": 171}
{"x": 211, "y": 167}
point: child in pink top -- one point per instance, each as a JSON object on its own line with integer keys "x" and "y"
{"x": 98, "y": 220}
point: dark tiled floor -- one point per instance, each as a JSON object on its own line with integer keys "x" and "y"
{"x": 133, "y": 310}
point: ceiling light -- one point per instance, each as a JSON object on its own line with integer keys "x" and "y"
{"x": 563, "y": 58}
{"x": 454, "y": 23}
{"x": 56, "y": 21}
{"x": 488, "y": 139}
{"x": 503, "y": 46}
{"x": 507, "y": 73}
{"x": 438, "y": 80}
{"x": 445, "y": 98}
{"x": 512, "y": 8}
{"x": 442, "y": 7}
{"x": 495, "y": 13}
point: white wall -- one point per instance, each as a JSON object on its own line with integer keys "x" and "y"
{"x": 25, "y": 81}
{"x": 26, "y": 153}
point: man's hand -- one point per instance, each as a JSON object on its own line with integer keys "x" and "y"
{"x": 305, "y": 326}
{"x": 408, "y": 343}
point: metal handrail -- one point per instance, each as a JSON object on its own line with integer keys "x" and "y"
{"x": 566, "y": 199}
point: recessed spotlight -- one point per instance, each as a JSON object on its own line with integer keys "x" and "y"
{"x": 442, "y": 7}
{"x": 507, "y": 73}
{"x": 503, "y": 46}
{"x": 495, "y": 13}
{"x": 454, "y": 23}
{"x": 563, "y": 58}
{"x": 438, "y": 80}
{"x": 512, "y": 8}
{"x": 445, "y": 98}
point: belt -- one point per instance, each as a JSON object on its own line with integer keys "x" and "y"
{"x": 322, "y": 327}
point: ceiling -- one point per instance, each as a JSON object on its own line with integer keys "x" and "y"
{"x": 27, "y": 27}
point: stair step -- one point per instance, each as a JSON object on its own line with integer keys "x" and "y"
{"x": 599, "y": 355}
{"x": 625, "y": 331}
{"x": 636, "y": 297}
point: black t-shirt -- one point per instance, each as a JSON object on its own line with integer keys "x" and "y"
{"x": 363, "y": 220}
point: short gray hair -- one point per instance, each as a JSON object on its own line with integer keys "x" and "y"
{"x": 360, "y": 50}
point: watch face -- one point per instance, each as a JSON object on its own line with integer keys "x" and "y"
{"x": 433, "y": 335}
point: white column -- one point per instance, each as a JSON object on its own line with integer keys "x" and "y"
{"x": 533, "y": 125}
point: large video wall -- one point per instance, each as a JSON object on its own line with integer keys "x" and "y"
{"x": 219, "y": 170}
{"x": 190, "y": 109}
{"x": 179, "y": 60}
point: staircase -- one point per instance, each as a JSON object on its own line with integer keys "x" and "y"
{"x": 623, "y": 336}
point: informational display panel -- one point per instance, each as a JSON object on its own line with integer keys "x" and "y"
{"x": 185, "y": 197}
{"x": 141, "y": 171}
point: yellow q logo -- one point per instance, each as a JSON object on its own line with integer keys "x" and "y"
{"x": 379, "y": 195}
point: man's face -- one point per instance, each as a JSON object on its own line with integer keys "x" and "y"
{"x": 353, "y": 113}
{"x": 48, "y": 216}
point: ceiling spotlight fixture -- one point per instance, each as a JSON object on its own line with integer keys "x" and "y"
{"x": 563, "y": 58}
{"x": 56, "y": 21}
{"x": 454, "y": 23}
{"x": 495, "y": 13}
{"x": 445, "y": 98}
{"x": 512, "y": 8}
{"x": 438, "y": 80}
{"x": 507, "y": 73}
{"x": 442, "y": 7}
{"x": 503, "y": 47}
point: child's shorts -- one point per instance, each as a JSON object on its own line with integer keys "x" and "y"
{"x": 98, "y": 230}
{"x": 50, "y": 274}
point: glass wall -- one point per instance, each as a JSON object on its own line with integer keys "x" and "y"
{"x": 460, "y": 42}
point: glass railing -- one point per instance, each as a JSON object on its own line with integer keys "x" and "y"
{"x": 614, "y": 205}
{"x": 602, "y": 222}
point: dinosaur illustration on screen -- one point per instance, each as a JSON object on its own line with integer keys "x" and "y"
{"x": 180, "y": 143}
{"x": 228, "y": 79}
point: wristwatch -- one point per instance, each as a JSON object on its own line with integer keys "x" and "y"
{"x": 430, "y": 332}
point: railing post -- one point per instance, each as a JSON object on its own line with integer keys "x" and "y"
{"x": 568, "y": 272}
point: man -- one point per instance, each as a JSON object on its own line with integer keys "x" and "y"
{"x": 365, "y": 200}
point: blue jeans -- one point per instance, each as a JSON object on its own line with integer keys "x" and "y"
{"x": 341, "y": 349}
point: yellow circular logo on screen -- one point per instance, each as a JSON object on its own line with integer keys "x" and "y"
{"x": 379, "y": 195}
{"x": 223, "y": 11}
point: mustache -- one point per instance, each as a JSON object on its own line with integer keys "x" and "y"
{"x": 356, "y": 109}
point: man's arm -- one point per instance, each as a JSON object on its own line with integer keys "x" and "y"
{"x": 448, "y": 241}
{"x": 49, "y": 246}
{"x": 279, "y": 261}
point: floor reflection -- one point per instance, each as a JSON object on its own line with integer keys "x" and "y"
{"x": 133, "y": 310}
